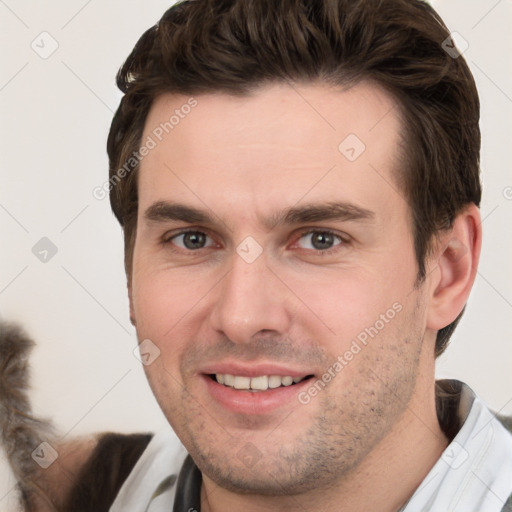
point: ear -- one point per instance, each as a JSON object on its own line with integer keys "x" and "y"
{"x": 132, "y": 309}
{"x": 454, "y": 267}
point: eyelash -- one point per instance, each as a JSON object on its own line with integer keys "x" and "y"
{"x": 333, "y": 249}
{"x": 167, "y": 240}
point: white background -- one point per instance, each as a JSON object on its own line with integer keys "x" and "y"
{"x": 55, "y": 116}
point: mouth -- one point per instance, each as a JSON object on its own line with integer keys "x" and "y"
{"x": 258, "y": 388}
{"x": 258, "y": 383}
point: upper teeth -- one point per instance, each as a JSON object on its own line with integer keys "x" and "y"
{"x": 261, "y": 383}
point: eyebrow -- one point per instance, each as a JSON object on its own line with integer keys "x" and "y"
{"x": 164, "y": 211}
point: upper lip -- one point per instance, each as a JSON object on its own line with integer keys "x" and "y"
{"x": 253, "y": 369}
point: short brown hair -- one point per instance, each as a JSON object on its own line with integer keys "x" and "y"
{"x": 234, "y": 46}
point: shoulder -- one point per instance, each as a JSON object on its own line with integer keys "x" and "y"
{"x": 155, "y": 473}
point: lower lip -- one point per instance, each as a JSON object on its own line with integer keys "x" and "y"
{"x": 254, "y": 402}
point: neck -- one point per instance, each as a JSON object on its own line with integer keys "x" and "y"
{"x": 384, "y": 480}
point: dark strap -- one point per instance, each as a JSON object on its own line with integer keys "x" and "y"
{"x": 506, "y": 421}
{"x": 188, "y": 488}
{"x": 508, "y": 505}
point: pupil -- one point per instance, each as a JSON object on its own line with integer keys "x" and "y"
{"x": 194, "y": 240}
{"x": 322, "y": 240}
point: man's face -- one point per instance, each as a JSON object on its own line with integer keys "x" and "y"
{"x": 266, "y": 252}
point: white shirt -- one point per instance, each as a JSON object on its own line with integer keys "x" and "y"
{"x": 163, "y": 457}
{"x": 474, "y": 473}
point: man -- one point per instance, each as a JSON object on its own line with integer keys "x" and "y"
{"x": 299, "y": 246}
{"x": 298, "y": 187}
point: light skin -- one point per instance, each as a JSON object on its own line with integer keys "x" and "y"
{"x": 267, "y": 166}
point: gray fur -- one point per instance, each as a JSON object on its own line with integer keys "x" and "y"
{"x": 20, "y": 431}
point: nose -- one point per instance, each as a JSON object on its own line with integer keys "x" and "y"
{"x": 251, "y": 301}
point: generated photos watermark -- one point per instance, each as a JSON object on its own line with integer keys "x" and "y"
{"x": 150, "y": 143}
{"x": 358, "y": 344}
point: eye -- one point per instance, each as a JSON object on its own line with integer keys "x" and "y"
{"x": 319, "y": 240}
{"x": 191, "y": 240}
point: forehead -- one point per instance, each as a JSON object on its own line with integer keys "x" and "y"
{"x": 273, "y": 147}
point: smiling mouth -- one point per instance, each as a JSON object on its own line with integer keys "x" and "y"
{"x": 259, "y": 383}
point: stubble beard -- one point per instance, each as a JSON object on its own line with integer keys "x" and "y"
{"x": 346, "y": 427}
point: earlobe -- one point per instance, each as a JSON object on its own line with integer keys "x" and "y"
{"x": 455, "y": 268}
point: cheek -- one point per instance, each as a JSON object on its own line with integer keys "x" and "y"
{"x": 161, "y": 299}
{"x": 346, "y": 303}
{"x": 153, "y": 307}
{"x": 159, "y": 309}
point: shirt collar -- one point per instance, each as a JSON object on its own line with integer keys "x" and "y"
{"x": 473, "y": 474}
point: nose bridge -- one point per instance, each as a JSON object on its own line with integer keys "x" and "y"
{"x": 250, "y": 300}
